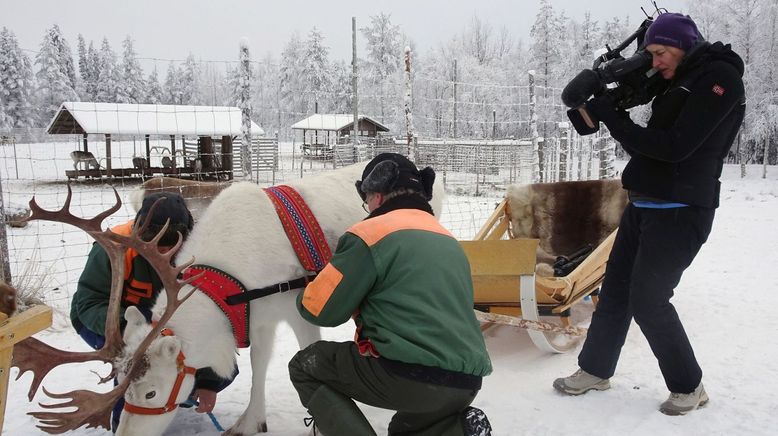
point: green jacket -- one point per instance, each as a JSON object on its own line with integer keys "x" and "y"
{"x": 406, "y": 282}
{"x": 90, "y": 302}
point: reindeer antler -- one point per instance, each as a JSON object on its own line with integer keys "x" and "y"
{"x": 93, "y": 409}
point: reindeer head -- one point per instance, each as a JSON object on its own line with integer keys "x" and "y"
{"x": 162, "y": 382}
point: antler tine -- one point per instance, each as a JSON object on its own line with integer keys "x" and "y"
{"x": 93, "y": 409}
{"x": 27, "y": 357}
{"x": 63, "y": 215}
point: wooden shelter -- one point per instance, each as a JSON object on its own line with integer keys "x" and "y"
{"x": 334, "y": 127}
{"x": 211, "y": 125}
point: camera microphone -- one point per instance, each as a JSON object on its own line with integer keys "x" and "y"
{"x": 583, "y": 86}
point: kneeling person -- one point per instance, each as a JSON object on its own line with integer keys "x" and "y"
{"x": 406, "y": 282}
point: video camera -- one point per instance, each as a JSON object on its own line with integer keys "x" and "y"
{"x": 637, "y": 82}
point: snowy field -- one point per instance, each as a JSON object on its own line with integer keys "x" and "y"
{"x": 727, "y": 300}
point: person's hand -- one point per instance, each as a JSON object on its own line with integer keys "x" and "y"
{"x": 602, "y": 107}
{"x": 206, "y": 399}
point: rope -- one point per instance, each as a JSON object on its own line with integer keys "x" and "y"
{"x": 527, "y": 324}
{"x": 192, "y": 402}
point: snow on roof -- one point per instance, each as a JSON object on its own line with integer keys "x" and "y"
{"x": 147, "y": 119}
{"x": 333, "y": 122}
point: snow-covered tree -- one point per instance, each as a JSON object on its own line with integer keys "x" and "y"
{"x": 56, "y": 76}
{"x": 92, "y": 73}
{"x": 173, "y": 89}
{"x": 16, "y": 84}
{"x": 384, "y": 56}
{"x": 292, "y": 79}
{"x": 108, "y": 76}
{"x": 154, "y": 94}
{"x": 316, "y": 68}
{"x": 83, "y": 73}
{"x": 190, "y": 81}
{"x": 131, "y": 87}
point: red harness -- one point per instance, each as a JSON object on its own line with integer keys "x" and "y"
{"x": 171, "y": 404}
{"x": 218, "y": 285}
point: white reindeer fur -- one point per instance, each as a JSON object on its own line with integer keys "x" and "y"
{"x": 240, "y": 233}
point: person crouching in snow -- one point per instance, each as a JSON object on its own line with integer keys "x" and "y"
{"x": 406, "y": 282}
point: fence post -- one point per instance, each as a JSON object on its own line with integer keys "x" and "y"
{"x": 408, "y": 113}
{"x": 245, "y": 108}
{"x": 533, "y": 129}
{"x": 564, "y": 151}
{"x": 355, "y": 100}
{"x": 5, "y": 262}
{"x": 455, "y": 100}
{"x": 607, "y": 158}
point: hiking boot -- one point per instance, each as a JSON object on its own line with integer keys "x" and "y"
{"x": 581, "y": 382}
{"x": 681, "y": 404}
{"x": 475, "y": 422}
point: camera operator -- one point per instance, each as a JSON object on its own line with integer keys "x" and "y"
{"x": 673, "y": 182}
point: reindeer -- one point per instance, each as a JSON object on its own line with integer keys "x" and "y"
{"x": 166, "y": 162}
{"x": 241, "y": 234}
{"x": 198, "y": 195}
{"x": 85, "y": 157}
{"x": 140, "y": 163}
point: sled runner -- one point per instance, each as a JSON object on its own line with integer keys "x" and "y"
{"x": 532, "y": 227}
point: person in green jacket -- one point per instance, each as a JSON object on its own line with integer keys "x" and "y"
{"x": 405, "y": 281}
{"x": 89, "y": 307}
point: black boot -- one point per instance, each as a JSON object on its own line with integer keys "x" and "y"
{"x": 337, "y": 415}
{"x": 475, "y": 422}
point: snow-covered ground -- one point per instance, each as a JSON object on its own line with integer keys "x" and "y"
{"x": 727, "y": 300}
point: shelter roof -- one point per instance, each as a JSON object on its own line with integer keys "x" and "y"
{"x": 147, "y": 119}
{"x": 333, "y": 122}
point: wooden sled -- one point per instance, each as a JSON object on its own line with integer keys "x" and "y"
{"x": 505, "y": 282}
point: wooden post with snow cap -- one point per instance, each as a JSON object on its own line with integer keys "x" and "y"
{"x": 12, "y": 331}
{"x": 533, "y": 130}
{"x": 408, "y": 113}
{"x": 244, "y": 85}
{"x": 354, "y": 76}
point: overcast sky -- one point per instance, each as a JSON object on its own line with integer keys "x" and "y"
{"x": 211, "y": 29}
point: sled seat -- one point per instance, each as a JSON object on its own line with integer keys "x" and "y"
{"x": 504, "y": 258}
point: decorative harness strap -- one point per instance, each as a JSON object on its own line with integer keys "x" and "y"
{"x": 171, "y": 404}
{"x": 301, "y": 227}
{"x": 219, "y": 286}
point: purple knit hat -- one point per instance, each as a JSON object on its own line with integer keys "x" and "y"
{"x": 675, "y": 30}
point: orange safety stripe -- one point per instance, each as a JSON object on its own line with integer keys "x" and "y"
{"x": 319, "y": 291}
{"x": 135, "y": 289}
{"x": 373, "y": 230}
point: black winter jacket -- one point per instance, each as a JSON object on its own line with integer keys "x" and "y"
{"x": 679, "y": 155}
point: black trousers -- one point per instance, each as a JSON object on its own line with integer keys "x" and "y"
{"x": 653, "y": 247}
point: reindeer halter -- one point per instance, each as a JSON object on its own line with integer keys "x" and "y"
{"x": 171, "y": 404}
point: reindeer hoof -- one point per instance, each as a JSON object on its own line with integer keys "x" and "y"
{"x": 261, "y": 428}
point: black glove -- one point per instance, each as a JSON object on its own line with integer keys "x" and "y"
{"x": 606, "y": 110}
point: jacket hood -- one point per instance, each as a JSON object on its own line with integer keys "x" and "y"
{"x": 705, "y": 52}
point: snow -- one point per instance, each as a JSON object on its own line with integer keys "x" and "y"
{"x": 155, "y": 119}
{"x": 726, "y": 299}
{"x": 330, "y": 122}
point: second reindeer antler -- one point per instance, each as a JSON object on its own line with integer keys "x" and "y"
{"x": 93, "y": 409}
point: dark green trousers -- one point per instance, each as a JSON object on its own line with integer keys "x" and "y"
{"x": 328, "y": 376}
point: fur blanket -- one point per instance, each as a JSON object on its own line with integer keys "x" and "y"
{"x": 565, "y": 216}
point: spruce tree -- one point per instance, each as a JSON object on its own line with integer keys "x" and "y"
{"x": 55, "y": 75}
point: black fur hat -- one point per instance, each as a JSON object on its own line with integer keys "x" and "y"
{"x": 389, "y": 172}
{"x": 172, "y": 208}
